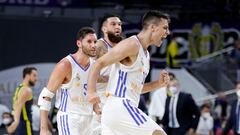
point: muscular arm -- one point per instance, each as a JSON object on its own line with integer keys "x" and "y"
{"x": 101, "y": 49}
{"x": 151, "y": 86}
{"x": 24, "y": 95}
{"x": 118, "y": 53}
{"x": 162, "y": 82}
{"x": 60, "y": 72}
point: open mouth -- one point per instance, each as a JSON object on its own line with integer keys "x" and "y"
{"x": 117, "y": 32}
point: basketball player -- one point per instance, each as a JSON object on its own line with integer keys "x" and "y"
{"x": 22, "y": 104}
{"x": 120, "y": 115}
{"x": 111, "y": 31}
{"x": 69, "y": 81}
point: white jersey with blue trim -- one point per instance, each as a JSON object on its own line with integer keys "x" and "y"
{"x": 71, "y": 97}
{"x": 101, "y": 87}
{"x": 127, "y": 81}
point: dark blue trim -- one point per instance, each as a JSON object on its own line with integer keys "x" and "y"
{"x": 107, "y": 43}
{"x": 134, "y": 112}
{"x": 119, "y": 78}
{"x": 66, "y": 100}
{"x": 129, "y": 111}
{"x": 140, "y": 114}
{"x": 62, "y": 125}
{"x": 84, "y": 69}
{"x": 120, "y": 90}
{"x": 67, "y": 125}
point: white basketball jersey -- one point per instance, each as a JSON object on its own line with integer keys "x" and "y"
{"x": 128, "y": 81}
{"x": 101, "y": 87}
{"x": 72, "y": 97}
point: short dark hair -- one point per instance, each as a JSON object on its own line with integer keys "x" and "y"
{"x": 104, "y": 19}
{"x": 84, "y": 31}
{"x": 171, "y": 75}
{"x": 153, "y": 16}
{"x": 28, "y": 70}
{"x": 205, "y": 106}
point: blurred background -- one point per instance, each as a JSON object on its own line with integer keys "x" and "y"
{"x": 203, "y": 50}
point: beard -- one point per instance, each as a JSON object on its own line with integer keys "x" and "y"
{"x": 114, "y": 38}
{"x": 87, "y": 52}
{"x": 31, "y": 83}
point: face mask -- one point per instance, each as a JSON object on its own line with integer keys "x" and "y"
{"x": 7, "y": 121}
{"x": 238, "y": 93}
{"x": 173, "y": 90}
{"x": 206, "y": 114}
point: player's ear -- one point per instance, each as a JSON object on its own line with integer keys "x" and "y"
{"x": 79, "y": 43}
{"x": 103, "y": 28}
{"x": 152, "y": 27}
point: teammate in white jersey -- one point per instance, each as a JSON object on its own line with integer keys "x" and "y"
{"x": 111, "y": 32}
{"x": 120, "y": 115}
{"x": 111, "y": 29}
{"x": 69, "y": 81}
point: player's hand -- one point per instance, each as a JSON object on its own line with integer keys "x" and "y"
{"x": 93, "y": 98}
{"x": 164, "y": 78}
{"x": 12, "y": 127}
{"x": 97, "y": 109}
{"x": 103, "y": 79}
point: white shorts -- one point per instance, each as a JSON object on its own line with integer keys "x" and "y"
{"x": 73, "y": 124}
{"x": 96, "y": 125}
{"x": 121, "y": 117}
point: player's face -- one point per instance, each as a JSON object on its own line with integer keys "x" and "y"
{"x": 114, "y": 25}
{"x": 112, "y": 28}
{"x": 160, "y": 32}
{"x": 33, "y": 78}
{"x": 89, "y": 45}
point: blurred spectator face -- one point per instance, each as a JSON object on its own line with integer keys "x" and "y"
{"x": 171, "y": 76}
{"x": 205, "y": 111}
{"x": 237, "y": 44}
{"x": 238, "y": 90}
{"x": 174, "y": 86}
{"x": 7, "y": 118}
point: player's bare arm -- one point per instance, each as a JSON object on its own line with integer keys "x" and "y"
{"x": 24, "y": 95}
{"x": 162, "y": 82}
{"x": 125, "y": 49}
{"x": 60, "y": 75}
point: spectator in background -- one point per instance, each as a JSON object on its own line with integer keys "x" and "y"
{"x": 181, "y": 112}
{"x": 3, "y": 109}
{"x": 7, "y": 120}
{"x": 205, "y": 125}
{"x": 157, "y": 104}
{"x": 235, "y": 54}
{"x": 221, "y": 112}
{"x": 234, "y": 60}
{"x": 234, "y": 119}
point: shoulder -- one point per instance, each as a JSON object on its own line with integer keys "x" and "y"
{"x": 185, "y": 95}
{"x": 25, "y": 92}
{"x": 63, "y": 64}
{"x": 100, "y": 42}
{"x": 129, "y": 43}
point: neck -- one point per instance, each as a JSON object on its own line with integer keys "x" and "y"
{"x": 25, "y": 82}
{"x": 81, "y": 58}
{"x": 107, "y": 39}
{"x": 144, "y": 39}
